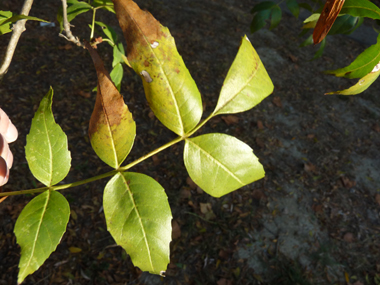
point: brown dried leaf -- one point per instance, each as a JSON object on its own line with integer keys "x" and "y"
{"x": 260, "y": 125}
{"x": 230, "y": 119}
{"x": 377, "y": 198}
{"x": 348, "y": 237}
{"x": 309, "y": 167}
{"x": 191, "y": 183}
{"x": 277, "y": 101}
{"x": 112, "y": 130}
{"x": 176, "y": 230}
{"x": 347, "y": 182}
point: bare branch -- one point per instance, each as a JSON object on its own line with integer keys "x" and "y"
{"x": 18, "y": 29}
{"x": 66, "y": 25}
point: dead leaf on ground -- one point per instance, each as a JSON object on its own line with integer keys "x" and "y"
{"x": 230, "y": 119}
{"x": 377, "y": 197}
{"x": 176, "y": 232}
{"x": 376, "y": 128}
{"x": 191, "y": 183}
{"x": 309, "y": 167}
{"x": 206, "y": 209}
{"x": 348, "y": 237}
{"x": 277, "y": 101}
{"x": 156, "y": 160}
{"x": 84, "y": 94}
{"x": 260, "y": 125}
{"x": 260, "y": 142}
{"x": 347, "y": 182}
{"x": 224, "y": 281}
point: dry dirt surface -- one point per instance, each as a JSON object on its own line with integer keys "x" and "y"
{"x": 314, "y": 218}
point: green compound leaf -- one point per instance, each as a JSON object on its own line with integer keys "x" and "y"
{"x": 46, "y": 146}
{"x": 169, "y": 88}
{"x": 360, "y": 8}
{"x": 138, "y": 217}
{"x": 362, "y": 65}
{"x": 247, "y": 82}
{"x": 39, "y": 229}
{"x": 362, "y": 85}
{"x": 112, "y": 129}
{"x": 220, "y": 164}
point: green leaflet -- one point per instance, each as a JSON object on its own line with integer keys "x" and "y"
{"x": 220, "y": 164}
{"x": 362, "y": 65}
{"x": 46, "y": 148}
{"x": 169, "y": 88}
{"x": 247, "y": 82}
{"x": 362, "y": 84}
{"x": 361, "y": 8}
{"x": 39, "y": 229}
{"x": 138, "y": 217}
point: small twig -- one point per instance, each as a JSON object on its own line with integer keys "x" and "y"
{"x": 66, "y": 25}
{"x": 18, "y": 28}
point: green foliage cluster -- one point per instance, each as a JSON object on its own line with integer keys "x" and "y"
{"x": 366, "y": 66}
{"x": 136, "y": 207}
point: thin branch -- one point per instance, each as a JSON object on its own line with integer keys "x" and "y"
{"x": 18, "y": 29}
{"x": 66, "y": 25}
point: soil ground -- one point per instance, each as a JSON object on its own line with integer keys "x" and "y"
{"x": 314, "y": 218}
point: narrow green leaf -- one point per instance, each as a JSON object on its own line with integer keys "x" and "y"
{"x": 7, "y": 18}
{"x": 46, "y": 148}
{"x": 312, "y": 18}
{"x": 319, "y": 52}
{"x": 108, "y": 31}
{"x": 118, "y": 53}
{"x": 170, "y": 90}
{"x": 293, "y": 7}
{"x": 138, "y": 217}
{"x": 308, "y": 41}
{"x": 361, "y": 8}
{"x": 362, "y": 84}
{"x": 112, "y": 129}
{"x": 39, "y": 229}
{"x": 117, "y": 75}
{"x": 259, "y": 20}
{"x": 247, "y": 82}
{"x": 105, "y": 4}
{"x": 266, "y": 5}
{"x": 74, "y": 9}
{"x": 344, "y": 24}
{"x": 276, "y": 17}
{"x": 306, "y": 6}
{"x": 220, "y": 164}
{"x": 362, "y": 65}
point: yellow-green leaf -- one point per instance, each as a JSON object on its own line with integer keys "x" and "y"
{"x": 169, "y": 88}
{"x": 39, "y": 229}
{"x": 247, "y": 82}
{"x": 138, "y": 217}
{"x": 220, "y": 164}
{"x": 362, "y": 84}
